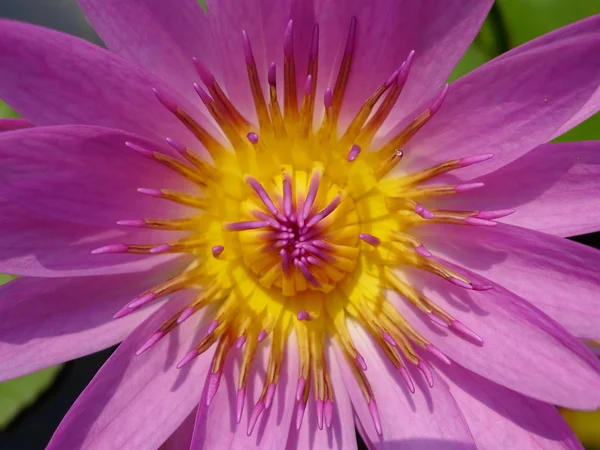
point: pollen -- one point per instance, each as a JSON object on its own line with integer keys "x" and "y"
{"x": 298, "y": 226}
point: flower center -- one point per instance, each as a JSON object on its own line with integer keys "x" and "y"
{"x": 304, "y": 234}
{"x": 296, "y": 228}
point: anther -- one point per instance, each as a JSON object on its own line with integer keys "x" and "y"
{"x": 353, "y": 153}
{"x": 114, "y": 248}
{"x": 217, "y": 250}
{"x": 370, "y": 239}
{"x": 463, "y": 329}
{"x": 426, "y": 371}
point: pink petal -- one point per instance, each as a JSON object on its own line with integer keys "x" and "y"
{"x": 52, "y": 78}
{"x": 83, "y": 174}
{"x": 428, "y": 415}
{"x": 577, "y": 29}
{"x": 160, "y": 36}
{"x": 138, "y": 402}
{"x": 558, "y": 276}
{"x": 342, "y": 434}
{"x": 523, "y": 349}
{"x": 182, "y": 437}
{"x": 265, "y": 22}
{"x": 216, "y": 426}
{"x": 46, "y": 321}
{"x": 38, "y": 246}
{"x": 509, "y": 106}
{"x": 554, "y": 188}
{"x": 387, "y": 31}
{"x": 501, "y": 418}
{"x": 14, "y": 124}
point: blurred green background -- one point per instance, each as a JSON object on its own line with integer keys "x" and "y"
{"x": 510, "y": 23}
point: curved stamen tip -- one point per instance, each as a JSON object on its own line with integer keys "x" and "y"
{"x": 470, "y": 160}
{"x": 214, "y": 379}
{"x": 206, "y": 99}
{"x": 314, "y": 45}
{"x": 254, "y": 416}
{"x": 262, "y": 335}
{"x": 370, "y": 239}
{"x": 115, "y": 248}
{"x": 308, "y": 85}
{"x": 407, "y": 379}
{"x": 328, "y": 98}
{"x": 165, "y": 100}
{"x": 185, "y": 314}
{"x": 360, "y": 361}
{"x": 389, "y": 339}
{"x": 497, "y": 214}
{"x": 253, "y": 138}
{"x": 288, "y": 42}
{"x": 217, "y": 250}
{"x": 353, "y": 153}
{"x": 142, "y": 300}
{"x": 133, "y": 223}
{"x": 460, "y": 283}
{"x": 124, "y": 312}
{"x": 304, "y": 315}
{"x": 160, "y": 248}
{"x": 405, "y": 68}
{"x": 480, "y": 222}
{"x": 375, "y": 416}
{"x": 438, "y": 354}
{"x": 151, "y": 192}
{"x": 462, "y": 328}
{"x": 151, "y": 342}
{"x": 426, "y": 371}
{"x": 482, "y": 287}
{"x": 465, "y": 187}
{"x": 180, "y": 148}
{"x": 421, "y": 250}
{"x": 205, "y": 75}
{"x": 212, "y": 326}
{"x": 272, "y": 76}
{"x": 247, "y": 49}
{"x": 437, "y": 104}
{"x": 319, "y": 407}
{"x": 351, "y": 36}
{"x": 241, "y": 395}
{"x": 240, "y": 341}
{"x": 139, "y": 149}
{"x": 300, "y": 388}
{"x": 189, "y": 357}
{"x": 270, "y": 395}
{"x": 423, "y": 212}
{"x": 328, "y": 413}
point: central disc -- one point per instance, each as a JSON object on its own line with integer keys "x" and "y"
{"x": 300, "y": 231}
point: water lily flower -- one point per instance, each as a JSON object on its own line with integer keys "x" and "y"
{"x": 299, "y": 228}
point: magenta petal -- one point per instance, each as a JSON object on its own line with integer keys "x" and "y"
{"x": 387, "y": 31}
{"x": 182, "y": 437}
{"x": 51, "y": 78}
{"x": 49, "y": 321}
{"x": 501, "y": 418}
{"x": 216, "y": 425}
{"x": 37, "y": 246}
{"x": 14, "y": 124}
{"x": 509, "y": 106}
{"x": 428, "y": 415}
{"x": 558, "y": 276}
{"x": 586, "y": 26}
{"x": 83, "y": 174}
{"x": 161, "y": 36}
{"x": 523, "y": 349}
{"x": 342, "y": 434}
{"x": 138, "y": 402}
{"x": 554, "y": 188}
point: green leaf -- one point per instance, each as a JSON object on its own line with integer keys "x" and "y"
{"x": 20, "y": 393}
{"x": 527, "y": 19}
{"x": 7, "y": 111}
